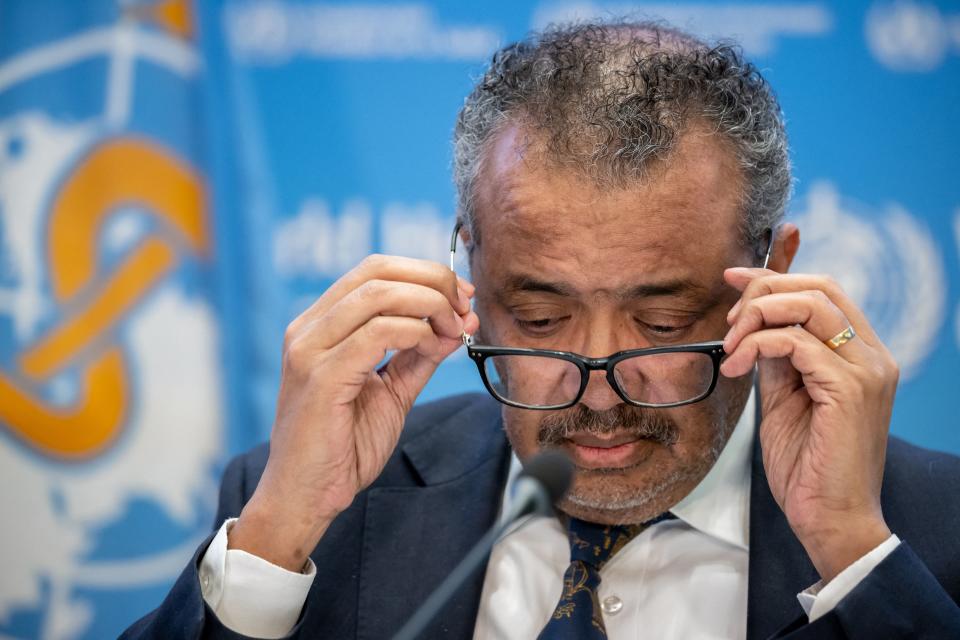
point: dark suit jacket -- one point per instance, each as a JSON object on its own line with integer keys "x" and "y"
{"x": 441, "y": 490}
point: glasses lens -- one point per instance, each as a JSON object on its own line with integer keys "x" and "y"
{"x": 533, "y": 381}
{"x": 665, "y": 378}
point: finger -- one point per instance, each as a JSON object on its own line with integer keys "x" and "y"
{"x": 385, "y": 298}
{"x": 408, "y": 371}
{"x": 811, "y": 309}
{"x": 396, "y": 268}
{"x": 471, "y": 323}
{"x": 760, "y": 282}
{"x": 360, "y": 353}
{"x": 821, "y": 368}
{"x": 466, "y": 286}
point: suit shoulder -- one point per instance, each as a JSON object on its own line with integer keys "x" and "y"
{"x": 920, "y": 506}
{"x": 429, "y": 414}
{"x": 906, "y": 461}
{"x": 255, "y": 457}
{"x": 243, "y": 471}
{"x": 920, "y": 485}
{"x": 247, "y": 467}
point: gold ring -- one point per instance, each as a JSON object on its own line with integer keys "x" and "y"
{"x": 841, "y": 338}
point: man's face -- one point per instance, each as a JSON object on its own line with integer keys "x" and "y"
{"x": 565, "y": 265}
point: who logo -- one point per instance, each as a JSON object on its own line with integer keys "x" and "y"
{"x": 887, "y": 261}
{"x": 110, "y": 390}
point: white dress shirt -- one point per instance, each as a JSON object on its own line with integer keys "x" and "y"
{"x": 682, "y": 578}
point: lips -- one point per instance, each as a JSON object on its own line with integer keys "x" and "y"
{"x": 605, "y": 441}
{"x": 608, "y": 451}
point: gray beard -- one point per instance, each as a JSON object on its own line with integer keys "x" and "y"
{"x": 649, "y": 499}
{"x": 645, "y": 498}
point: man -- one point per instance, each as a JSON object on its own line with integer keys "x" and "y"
{"x": 621, "y": 189}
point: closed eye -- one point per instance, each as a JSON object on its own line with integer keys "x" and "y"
{"x": 664, "y": 329}
{"x": 667, "y": 331}
{"x": 539, "y": 326}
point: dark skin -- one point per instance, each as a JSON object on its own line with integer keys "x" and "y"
{"x": 656, "y": 262}
{"x": 579, "y": 268}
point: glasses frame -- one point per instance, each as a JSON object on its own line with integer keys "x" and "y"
{"x": 481, "y": 353}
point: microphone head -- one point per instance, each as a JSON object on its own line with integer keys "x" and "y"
{"x": 552, "y": 469}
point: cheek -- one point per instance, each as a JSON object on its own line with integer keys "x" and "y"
{"x": 715, "y": 322}
{"x": 708, "y": 423}
{"x": 698, "y": 426}
{"x": 521, "y": 427}
{"x": 492, "y": 320}
{"x": 728, "y": 399}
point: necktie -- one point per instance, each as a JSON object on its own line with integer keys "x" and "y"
{"x": 577, "y": 615}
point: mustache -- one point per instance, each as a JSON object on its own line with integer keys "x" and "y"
{"x": 637, "y": 421}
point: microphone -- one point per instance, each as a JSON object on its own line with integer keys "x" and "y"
{"x": 544, "y": 480}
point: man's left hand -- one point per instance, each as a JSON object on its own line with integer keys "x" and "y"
{"x": 826, "y": 412}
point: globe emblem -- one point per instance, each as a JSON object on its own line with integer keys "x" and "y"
{"x": 887, "y": 261}
{"x": 907, "y": 36}
{"x": 106, "y": 339}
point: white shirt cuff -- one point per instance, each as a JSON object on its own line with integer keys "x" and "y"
{"x": 820, "y": 599}
{"x": 251, "y": 596}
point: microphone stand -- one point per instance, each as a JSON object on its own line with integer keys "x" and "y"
{"x": 529, "y": 494}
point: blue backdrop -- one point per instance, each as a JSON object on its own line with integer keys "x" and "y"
{"x": 178, "y": 181}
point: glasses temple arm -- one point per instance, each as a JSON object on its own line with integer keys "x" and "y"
{"x": 467, "y": 339}
{"x": 766, "y": 258}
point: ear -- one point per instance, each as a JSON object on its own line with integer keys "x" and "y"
{"x": 786, "y": 242}
{"x": 466, "y": 240}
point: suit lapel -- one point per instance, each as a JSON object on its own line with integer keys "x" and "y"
{"x": 415, "y": 535}
{"x": 779, "y": 567}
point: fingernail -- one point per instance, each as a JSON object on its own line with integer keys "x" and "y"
{"x": 726, "y": 339}
{"x": 464, "y": 300}
{"x": 468, "y": 287}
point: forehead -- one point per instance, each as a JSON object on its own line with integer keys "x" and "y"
{"x": 682, "y": 215}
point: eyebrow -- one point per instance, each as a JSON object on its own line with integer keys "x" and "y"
{"x": 529, "y": 284}
{"x": 683, "y": 288}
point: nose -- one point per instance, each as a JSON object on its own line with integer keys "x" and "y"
{"x": 602, "y": 340}
{"x": 599, "y": 395}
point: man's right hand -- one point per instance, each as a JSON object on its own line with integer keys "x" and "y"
{"x": 338, "y": 417}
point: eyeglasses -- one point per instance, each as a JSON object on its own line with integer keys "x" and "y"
{"x": 655, "y": 377}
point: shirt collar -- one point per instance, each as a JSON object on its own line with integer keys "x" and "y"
{"x": 720, "y": 505}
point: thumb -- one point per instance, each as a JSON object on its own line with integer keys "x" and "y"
{"x": 408, "y": 371}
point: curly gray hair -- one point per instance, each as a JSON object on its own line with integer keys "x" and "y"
{"x": 610, "y": 98}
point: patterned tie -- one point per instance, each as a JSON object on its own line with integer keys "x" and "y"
{"x": 578, "y": 616}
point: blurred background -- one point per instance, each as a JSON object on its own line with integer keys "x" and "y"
{"x": 179, "y": 180}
